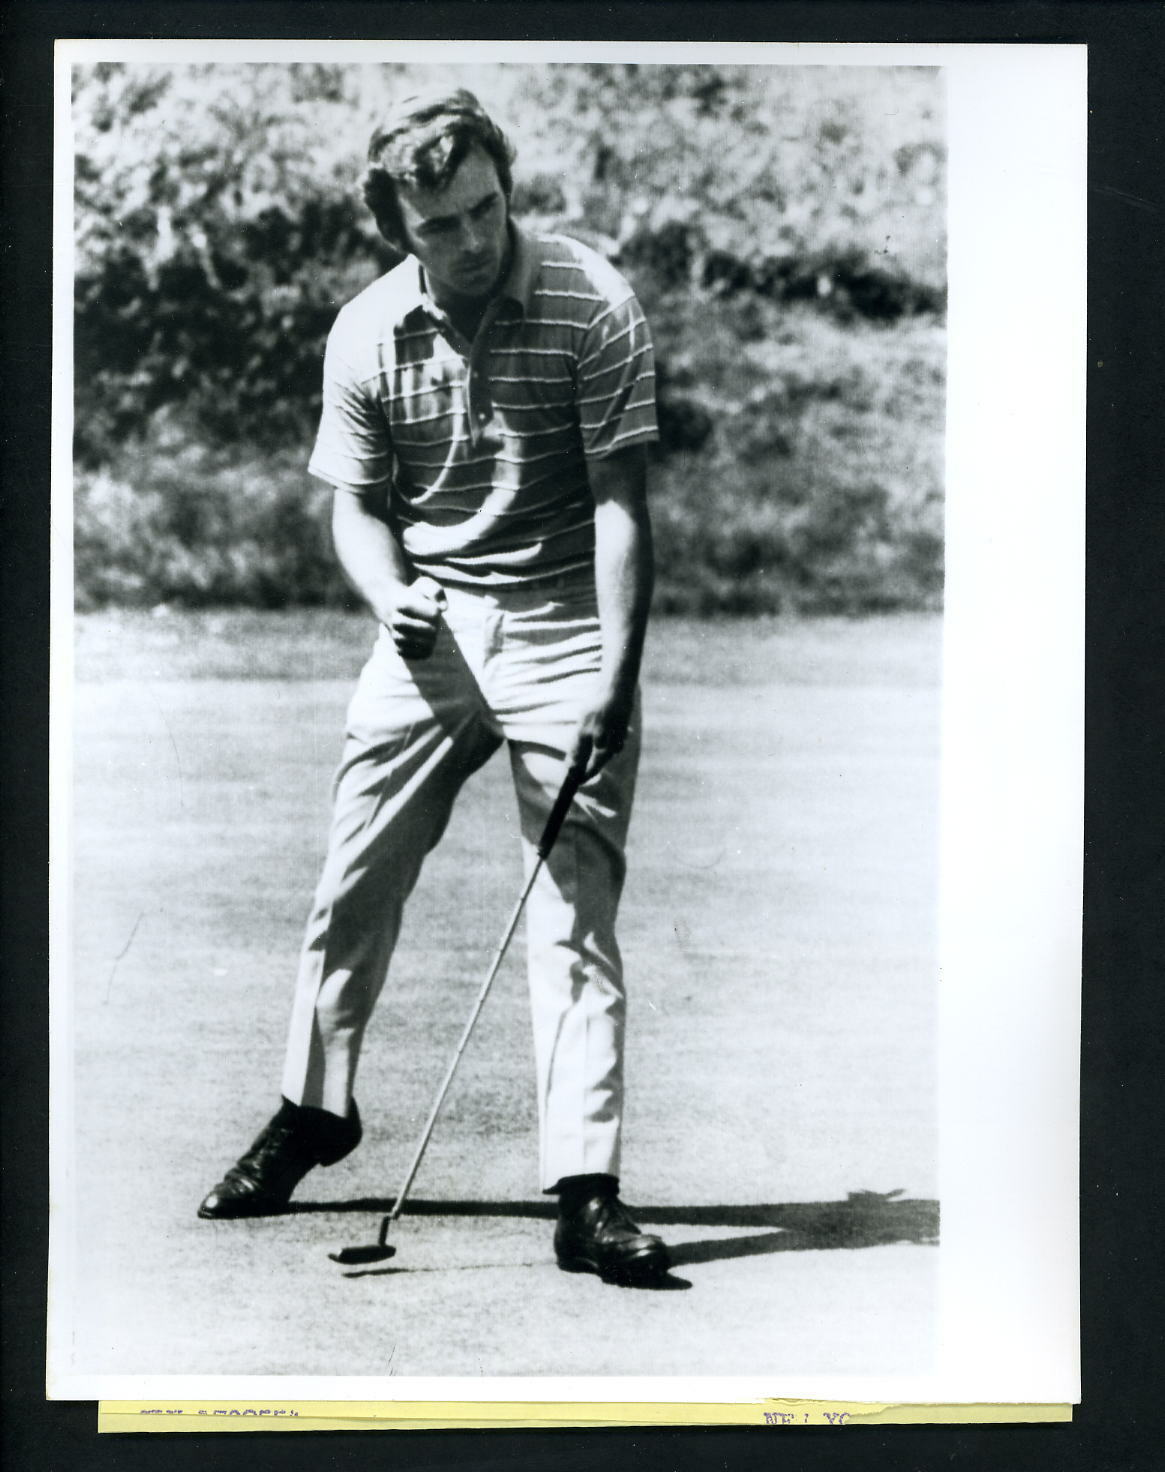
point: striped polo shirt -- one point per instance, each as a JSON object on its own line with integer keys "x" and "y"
{"x": 481, "y": 448}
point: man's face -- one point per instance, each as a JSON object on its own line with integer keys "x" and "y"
{"x": 459, "y": 233}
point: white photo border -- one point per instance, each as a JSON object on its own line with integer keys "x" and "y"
{"x": 1012, "y": 775}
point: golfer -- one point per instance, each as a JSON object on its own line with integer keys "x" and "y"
{"x": 486, "y": 410}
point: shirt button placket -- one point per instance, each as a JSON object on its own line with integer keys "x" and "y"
{"x": 478, "y": 394}
{"x": 471, "y": 397}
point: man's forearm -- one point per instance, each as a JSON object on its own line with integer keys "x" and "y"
{"x": 369, "y": 553}
{"x": 624, "y": 577}
{"x": 376, "y": 566}
{"x": 624, "y": 567}
{"x": 624, "y": 573}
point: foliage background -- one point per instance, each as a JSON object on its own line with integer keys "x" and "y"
{"x": 784, "y": 228}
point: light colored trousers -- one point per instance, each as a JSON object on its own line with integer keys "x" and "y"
{"x": 512, "y": 665}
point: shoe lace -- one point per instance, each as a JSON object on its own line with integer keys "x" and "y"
{"x": 279, "y": 1145}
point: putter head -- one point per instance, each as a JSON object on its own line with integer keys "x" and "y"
{"x": 351, "y": 1256}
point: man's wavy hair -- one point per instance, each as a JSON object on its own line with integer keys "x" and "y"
{"x": 422, "y": 143}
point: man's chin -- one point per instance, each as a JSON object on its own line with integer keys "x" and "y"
{"x": 477, "y": 285}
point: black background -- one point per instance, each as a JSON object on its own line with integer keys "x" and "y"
{"x": 1121, "y": 1423}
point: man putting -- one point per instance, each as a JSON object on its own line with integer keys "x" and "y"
{"x": 486, "y": 410}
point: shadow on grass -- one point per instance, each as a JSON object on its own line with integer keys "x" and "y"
{"x": 668, "y": 1283}
{"x": 864, "y": 1219}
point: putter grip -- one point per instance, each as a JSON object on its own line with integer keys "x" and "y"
{"x": 558, "y": 812}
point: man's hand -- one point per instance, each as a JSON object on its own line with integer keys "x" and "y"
{"x": 602, "y": 733}
{"x": 413, "y": 618}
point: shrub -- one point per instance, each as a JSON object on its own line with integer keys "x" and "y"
{"x": 217, "y": 234}
{"x": 176, "y": 523}
{"x": 820, "y": 486}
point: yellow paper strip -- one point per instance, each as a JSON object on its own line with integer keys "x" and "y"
{"x": 124, "y": 1415}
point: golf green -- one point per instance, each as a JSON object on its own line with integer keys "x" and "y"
{"x": 778, "y": 936}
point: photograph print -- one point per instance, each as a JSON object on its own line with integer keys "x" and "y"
{"x": 508, "y": 569}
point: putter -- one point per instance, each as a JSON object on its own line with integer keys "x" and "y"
{"x": 380, "y": 1249}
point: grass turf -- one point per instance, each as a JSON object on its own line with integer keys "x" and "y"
{"x": 778, "y": 937}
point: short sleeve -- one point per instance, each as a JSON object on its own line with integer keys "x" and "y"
{"x": 352, "y": 447}
{"x": 616, "y": 380}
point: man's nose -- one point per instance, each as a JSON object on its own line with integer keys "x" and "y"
{"x": 472, "y": 235}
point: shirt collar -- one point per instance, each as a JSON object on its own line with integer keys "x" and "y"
{"x": 519, "y": 284}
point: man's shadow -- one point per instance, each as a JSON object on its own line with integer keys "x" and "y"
{"x": 863, "y": 1219}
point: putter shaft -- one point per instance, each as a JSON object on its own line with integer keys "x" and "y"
{"x": 426, "y": 1133}
{"x": 554, "y": 822}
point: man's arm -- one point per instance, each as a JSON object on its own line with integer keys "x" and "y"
{"x": 624, "y": 576}
{"x": 375, "y": 565}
